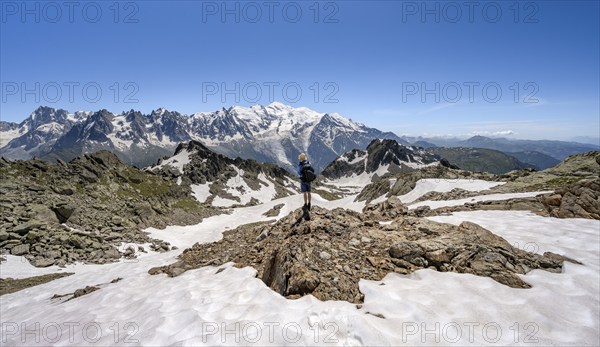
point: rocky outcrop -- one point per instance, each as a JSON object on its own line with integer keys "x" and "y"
{"x": 404, "y": 182}
{"x": 571, "y": 171}
{"x": 581, "y": 200}
{"x": 205, "y": 166}
{"x": 274, "y": 212}
{"x": 54, "y": 214}
{"x": 532, "y": 204}
{"x": 327, "y": 256}
{"x": 389, "y": 209}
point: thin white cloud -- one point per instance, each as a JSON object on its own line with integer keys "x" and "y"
{"x": 437, "y": 108}
{"x": 493, "y": 133}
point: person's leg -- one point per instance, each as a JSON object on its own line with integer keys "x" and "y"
{"x": 309, "y": 197}
{"x": 306, "y": 198}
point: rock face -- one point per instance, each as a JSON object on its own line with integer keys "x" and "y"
{"x": 581, "y": 200}
{"x": 327, "y": 256}
{"x": 54, "y": 214}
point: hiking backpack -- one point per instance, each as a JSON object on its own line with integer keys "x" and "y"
{"x": 308, "y": 173}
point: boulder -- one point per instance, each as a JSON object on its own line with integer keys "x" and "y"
{"x": 42, "y": 262}
{"x": 23, "y": 228}
{"x": 116, "y": 220}
{"x": 64, "y": 212}
{"x": 112, "y": 253}
{"x": 406, "y": 249}
{"x": 20, "y": 249}
{"x": 43, "y": 213}
{"x": 64, "y": 190}
{"x": 302, "y": 280}
{"x": 84, "y": 291}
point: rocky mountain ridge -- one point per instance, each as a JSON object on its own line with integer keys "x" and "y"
{"x": 379, "y": 158}
{"x": 275, "y": 133}
{"x": 218, "y": 180}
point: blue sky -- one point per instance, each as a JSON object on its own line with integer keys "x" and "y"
{"x": 411, "y": 67}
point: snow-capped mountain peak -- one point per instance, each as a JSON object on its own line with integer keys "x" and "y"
{"x": 274, "y": 133}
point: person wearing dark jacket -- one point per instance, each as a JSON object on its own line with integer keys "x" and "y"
{"x": 305, "y": 187}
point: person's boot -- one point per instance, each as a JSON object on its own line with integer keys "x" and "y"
{"x": 305, "y": 207}
{"x": 309, "y": 206}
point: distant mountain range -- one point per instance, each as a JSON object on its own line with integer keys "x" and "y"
{"x": 481, "y": 159}
{"x": 536, "y": 152}
{"x": 275, "y": 133}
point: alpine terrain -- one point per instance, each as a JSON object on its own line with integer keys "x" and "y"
{"x": 275, "y": 133}
{"x": 203, "y": 245}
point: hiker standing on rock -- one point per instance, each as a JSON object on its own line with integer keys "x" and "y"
{"x": 306, "y": 173}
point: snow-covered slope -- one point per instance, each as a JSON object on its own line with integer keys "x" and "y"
{"x": 8, "y": 131}
{"x": 224, "y": 182}
{"x": 278, "y": 133}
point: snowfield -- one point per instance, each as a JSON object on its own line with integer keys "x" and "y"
{"x": 440, "y": 185}
{"x": 177, "y": 161}
{"x": 232, "y": 307}
{"x": 433, "y": 204}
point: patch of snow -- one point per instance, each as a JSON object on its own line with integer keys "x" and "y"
{"x": 201, "y": 191}
{"x": 355, "y": 183}
{"x": 166, "y": 141}
{"x": 433, "y": 204}
{"x": 414, "y": 165}
{"x": 78, "y": 116}
{"x": 441, "y": 185}
{"x": 238, "y": 187}
{"x": 7, "y": 136}
{"x": 177, "y": 161}
{"x": 119, "y": 143}
{"x": 359, "y": 157}
{"x": 50, "y": 128}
